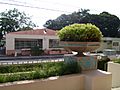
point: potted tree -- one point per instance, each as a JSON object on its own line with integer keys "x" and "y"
{"x": 81, "y": 38}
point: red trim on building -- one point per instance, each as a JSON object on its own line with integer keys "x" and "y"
{"x": 36, "y": 32}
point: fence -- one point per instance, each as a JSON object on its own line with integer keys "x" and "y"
{"x": 30, "y": 61}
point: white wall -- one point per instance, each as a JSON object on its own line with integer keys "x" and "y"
{"x": 10, "y": 44}
{"x": 104, "y": 45}
{"x": 114, "y": 68}
{"x": 117, "y": 48}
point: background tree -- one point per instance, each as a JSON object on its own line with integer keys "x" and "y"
{"x": 65, "y": 20}
{"x": 13, "y": 20}
{"x": 107, "y": 22}
{"x": 1, "y": 36}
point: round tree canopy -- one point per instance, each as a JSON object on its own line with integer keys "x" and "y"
{"x": 80, "y": 33}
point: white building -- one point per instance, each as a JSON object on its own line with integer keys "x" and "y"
{"x": 46, "y": 39}
{"x": 110, "y": 43}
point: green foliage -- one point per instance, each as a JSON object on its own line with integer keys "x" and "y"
{"x": 116, "y": 60}
{"x": 13, "y": 20}
{"x": 1, "y": 36}
{"x": 71, "y": 67}
{"x": 65, "y": 20}
{"x": 2, "y": 78}
{"x": 36, "y": 51}
{"x": 80, "y": 32}
{"x": 19, "y": 68}
{"x": 15, "y": 77}
{"x": 37, "y": 71}
{"x": 107, "y": 22}
{"x": 53, "y": 69}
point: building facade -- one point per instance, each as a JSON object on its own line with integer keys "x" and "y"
{"x": 110, "y": 43}
{"x": 17, "y": 42}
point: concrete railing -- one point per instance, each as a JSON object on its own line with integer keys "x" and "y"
{"x": 68, "y": 82}
{"x": 11, "y": 62}
{"x": 89, "y": 80}
{"x": 114, "y": 68}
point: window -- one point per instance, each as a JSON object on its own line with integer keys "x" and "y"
{"x": 54, "y": 43}
{"x": 115, "y": 43}
{"x": 27, "y": 43}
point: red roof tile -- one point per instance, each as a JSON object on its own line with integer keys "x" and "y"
{"x": 36, "y": 32}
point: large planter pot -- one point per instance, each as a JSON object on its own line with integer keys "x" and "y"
{"x": 85, "y": 62}
{"x": 80, "y": 46}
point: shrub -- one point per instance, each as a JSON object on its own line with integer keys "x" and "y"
{"x": 15, "y": 77}
{"x": 117, "y": 60}
{"x": 71, "y": 66}
{"x": 55, "y": 70}
{"x": 36, "y": 51}
{"x": 2, "y": 78}
{"x": 80, "y": 32}
{"x": 41, "y": 70}
{"x": 12, "y": 77}
{"x": 19, "y": 68}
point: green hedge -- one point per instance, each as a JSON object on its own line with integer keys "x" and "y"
{"x": 36, "y": 51}
{"x": 19, "y": 68}
{"x": 117, "y": 60}
{"x": 37, "y": 71}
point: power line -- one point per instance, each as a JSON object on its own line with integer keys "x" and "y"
{"x": 18, "y": 1}
{"x": 92, "y": 9}
{"x": 54, "y": 4}
{"x": 34, "y": 7}
{"x": 47, "y": 2}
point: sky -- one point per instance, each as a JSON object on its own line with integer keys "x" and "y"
{"x": 42, "y": 10}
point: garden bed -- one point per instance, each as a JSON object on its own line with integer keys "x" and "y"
{"x": 10, "y": 73}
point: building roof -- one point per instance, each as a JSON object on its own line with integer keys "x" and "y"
{"x": 36, "y": 32}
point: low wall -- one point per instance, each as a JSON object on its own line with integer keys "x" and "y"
{"x": 88, "y": 80}
{"x": 98, "y": 80}
{"x": 10, "y": 52}
{"x": 114, "y": 68}
{"x": 68, "y": 82}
